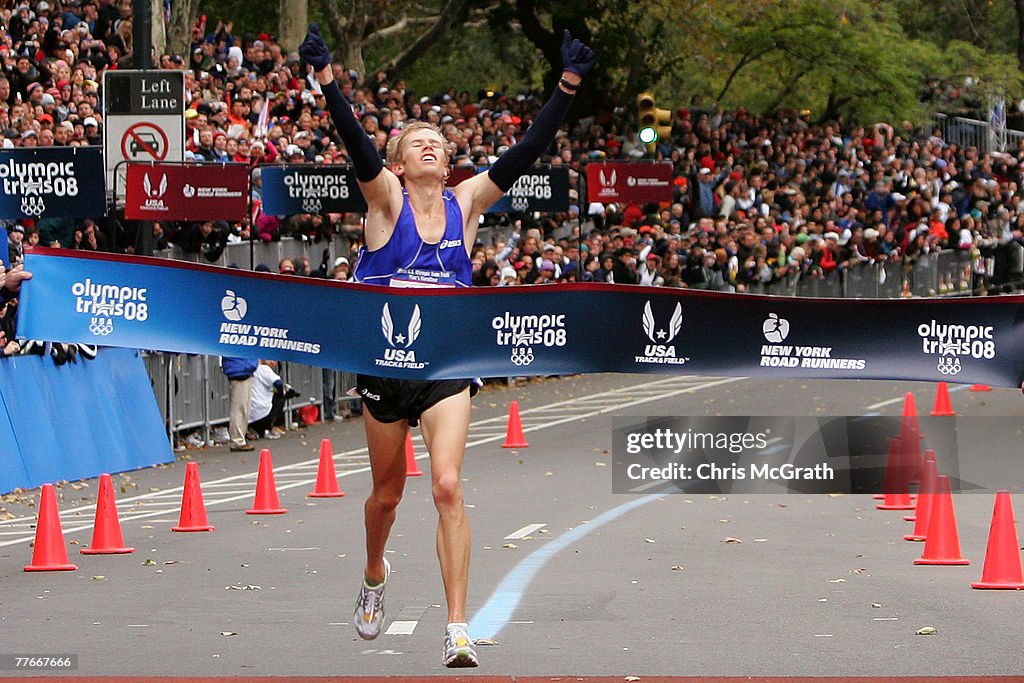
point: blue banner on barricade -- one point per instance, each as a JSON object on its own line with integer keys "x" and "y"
{"x": 77, "y": 420}
{"x": 542, "y": 188}
{"x": 52, "y": 182}
{"x": 496, "y": 332}
{"x": 288, "y": 190}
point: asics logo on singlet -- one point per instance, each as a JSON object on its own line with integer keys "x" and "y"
{"x": 448, "y": 244}
{"x": 366, "y": 394}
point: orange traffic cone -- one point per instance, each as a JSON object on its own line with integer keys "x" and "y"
{"x": 514, "y": 437}
{"x": 106, "y": 532}
{"x": 193, "y": 510}
{"x": 266, "y": 502}
{"x": 980, "y": 387}
{"x": 943, "y": 406}
{"x": 895, "y": 487}
{"x": 911, "y": 437}
{"x": 1003, "y": 567}
{"x": 942, "y": 542}
{"x": 49, "y": 554}
{"x": 912, "y": 517}
{"x": 326, "y": 479}
{"x": 412, "y": 468}
{"x": 925, "y": 499}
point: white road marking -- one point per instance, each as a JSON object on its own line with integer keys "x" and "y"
{"x": 82, "y": 518}
{"x": 401, "y": 628}
{"x": 524, "y": 532}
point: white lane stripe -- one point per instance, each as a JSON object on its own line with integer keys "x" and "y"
{"x": 898, "y": 399}
{"x": 401, "y": 628}
{"x": 524, "y": 532}
{"x": 606, "y": 402}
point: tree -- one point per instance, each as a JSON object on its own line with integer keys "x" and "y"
{"x": 179, "y": 29}
{"x": 366, "y": 22}
{"x": 293, "y": 19}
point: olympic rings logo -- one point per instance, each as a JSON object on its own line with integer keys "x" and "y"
{"x": 522, "y": 357}
{"x": 949, "y": 366}
{"x": 101, "y": 327}
{"x": 32, "y": 207}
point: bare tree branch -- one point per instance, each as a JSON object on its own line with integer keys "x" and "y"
{"x": 451, "y": 11}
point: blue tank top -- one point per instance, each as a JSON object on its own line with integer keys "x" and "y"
{"x": 407, "y": 261}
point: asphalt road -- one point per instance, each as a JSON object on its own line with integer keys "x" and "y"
{"x": 568, "y": 578}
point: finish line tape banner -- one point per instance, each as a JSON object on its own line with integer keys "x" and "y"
{"x": 175, "y": 306}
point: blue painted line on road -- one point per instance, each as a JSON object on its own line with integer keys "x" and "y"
{"x": 498, "y": 609}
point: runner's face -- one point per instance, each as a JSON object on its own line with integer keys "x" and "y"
{"x": 424, "y": 151}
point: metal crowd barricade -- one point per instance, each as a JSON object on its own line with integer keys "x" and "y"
{"x": 954, "y": 270}
{"x": 821, "y": 287}
{"x": 270, "y": 253}
{"x": 965, "y": 132}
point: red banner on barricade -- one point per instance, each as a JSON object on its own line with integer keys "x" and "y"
{"x": 195, "y": 192}
{"x": 460, "y": 173}
{"x": 629, "y": 182}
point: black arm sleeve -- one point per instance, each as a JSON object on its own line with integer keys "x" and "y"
{"x": 360, "y": 148}
{"x": 513, "y": 163}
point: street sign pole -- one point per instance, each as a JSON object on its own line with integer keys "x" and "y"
{"x": 142, "y": 46}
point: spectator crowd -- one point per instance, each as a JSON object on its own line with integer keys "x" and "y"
{"x": 756, "y": 199}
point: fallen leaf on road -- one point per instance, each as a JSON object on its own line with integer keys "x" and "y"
{"x": 731, "y": 539}
{"x": 649, "y": 540}
{"x": 228, "y": 633}
{"x": 510, "y": 546}
{"x": 926, "y": 631}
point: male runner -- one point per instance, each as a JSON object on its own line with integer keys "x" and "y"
{"x": 420, "y": 235}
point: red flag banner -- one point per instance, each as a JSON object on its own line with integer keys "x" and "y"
{"x": 629, "y": 182}
{"x": 195, "y": 192}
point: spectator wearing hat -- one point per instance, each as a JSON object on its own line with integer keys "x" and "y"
{"x": 91, "y": 130}
{"x": 649, "y": 274}
{"x": 15, "y": 244}
{"x": 545, "y": 273}
{"x": 304, "y": 141}
{"x": 624, "y": 267}
{"x": 341, "y": 269}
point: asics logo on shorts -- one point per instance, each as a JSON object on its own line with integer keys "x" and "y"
{"x": 366, "y": 394}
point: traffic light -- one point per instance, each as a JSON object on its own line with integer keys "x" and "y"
{"x": 653, "y": 123}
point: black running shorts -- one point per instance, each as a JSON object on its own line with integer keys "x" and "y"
{"x": 391, "y": 400}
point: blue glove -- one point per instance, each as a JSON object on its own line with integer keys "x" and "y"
{"x": 314, "y": 50}
{"x": 576, "y": 57}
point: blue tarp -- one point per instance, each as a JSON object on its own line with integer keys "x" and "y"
{"x": 77, "y": 420}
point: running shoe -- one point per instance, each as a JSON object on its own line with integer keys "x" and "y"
{"x": 369, "y": 613}
{"x": 458, "y": 648}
